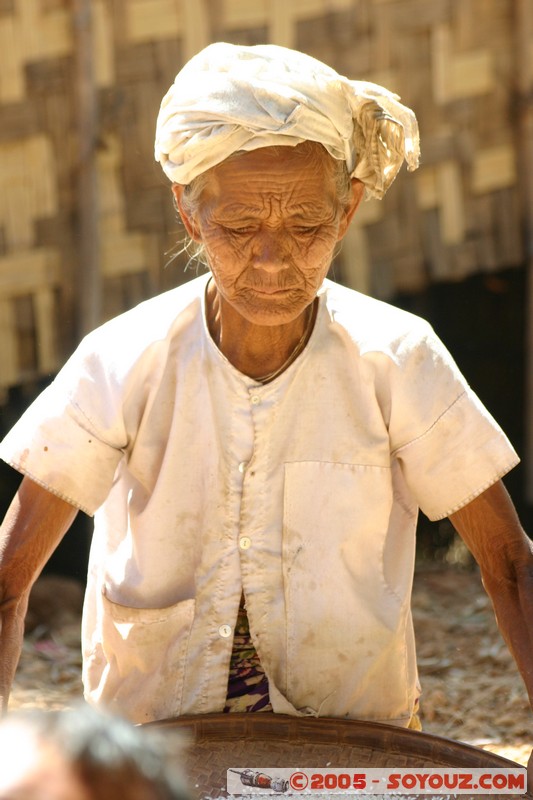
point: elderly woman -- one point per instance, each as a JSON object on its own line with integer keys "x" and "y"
{"x": 255, "y": 445}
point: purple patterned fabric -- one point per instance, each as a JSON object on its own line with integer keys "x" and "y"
{"x": 247, "y": 684}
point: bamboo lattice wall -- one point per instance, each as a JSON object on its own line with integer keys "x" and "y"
{"x": 453, "y": 61}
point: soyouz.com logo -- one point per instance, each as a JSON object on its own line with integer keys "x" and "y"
{"x": 291, "y": 781}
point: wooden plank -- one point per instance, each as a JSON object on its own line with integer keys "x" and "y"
{"x": 304, "y": 9}
{"x": 25, "y": 335}
{"x": 108, "y": 162}
{"x": 463, "y": 261}
{"x": 452, "y": 213}
{"x": 88, "y": 278}
{"x": 458, "y": 76}
{"x": 22, "y": 196}
{"x": 52, "y": 5}
{"x": 197, "y": 28}
{"x": 384, "y": 238}
{"x": 44, "y": 308}
{"x": 494, "y": 168}
{"x": 12, "y": 85}
{"x": 49, "y": 76}
{"x": 39, "y": 160}
{"x": 111, "y": 223}
{"x": 281, "y": 23}
{"x": 417, "y": 15}
{"x": 54, "y": 35}
{"x": 104, "y": 63}
{"x": 17, "y": 222}
{"x": 471, "y": 74}
{"x": 145, "y": 171}
{"x": 436, "y": 254}
{"x": 523, "y": 36}
{"x": 27, "y": 272}
{"x": 465, "y": 32}
{"x": 19, "y": 120}
{"x": 483, "y": 210}
{"x": 239, "y": 14}
{"x": 427, "y": 188}
{"x": 215, "y": 13}
{"x": 153, "y": 252}
{"x": 355, "y": 260}
{"x": 508, "y": 229}
{"x": 381, "y": 41}
{"x": 439, "y": 143}
{"x": 134, "y": 289}
{"x": 149, "y": 20}
{"x": 58, "y": 118}
{"x": 135, "y": 64}
{"x": 145, "y": 209}
{"x": 382, "y": 280}
{"x": 409, "y": 273}
{"x": 9, "y": 360}
{"x": 27, "y": 23}
{"x": 123, "y": 254}
{"x": 386, "y": 78}
{"x": 369, "y": 212}
{"x": 113, "y": 298}
{"x": 440, "y": 63}
{"x": 168, "y": 57}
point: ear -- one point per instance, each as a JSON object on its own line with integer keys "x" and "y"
{"x": 188, "y": 220}
{"x": 358, "y": 191}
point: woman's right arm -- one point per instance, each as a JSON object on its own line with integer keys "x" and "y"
{"x": 35, "y": 523}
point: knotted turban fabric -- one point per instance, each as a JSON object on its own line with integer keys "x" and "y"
{"x": 229, "y": 98}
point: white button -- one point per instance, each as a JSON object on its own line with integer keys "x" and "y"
{"x": 255, "y": 399}
{"x": 245, "y": 542}
{"x": 225, "y": 631}
{"x": 242, "y": 466}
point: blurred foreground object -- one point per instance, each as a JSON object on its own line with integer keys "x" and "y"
{"x": 82, "y": 754}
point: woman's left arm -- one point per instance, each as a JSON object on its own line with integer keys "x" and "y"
{"x": 491, "y": 530}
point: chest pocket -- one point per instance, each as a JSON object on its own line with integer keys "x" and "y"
{"x": 345, "y": 625}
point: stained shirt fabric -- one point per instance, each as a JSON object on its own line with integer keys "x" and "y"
{"x": 302, "y": 493}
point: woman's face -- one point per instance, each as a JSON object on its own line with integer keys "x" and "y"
{"x": 269, "y": 221}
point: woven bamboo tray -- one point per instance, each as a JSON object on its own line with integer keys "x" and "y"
{"x": 265, "y": 740}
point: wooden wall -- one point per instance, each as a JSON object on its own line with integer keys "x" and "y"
{"x": 453, "y": 61}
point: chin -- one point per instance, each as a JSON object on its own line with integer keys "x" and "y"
{"x": 275, "y": 315}
{"x": 270, "y": 311}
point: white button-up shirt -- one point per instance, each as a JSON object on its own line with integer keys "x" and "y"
{"x": 303, "y": 493}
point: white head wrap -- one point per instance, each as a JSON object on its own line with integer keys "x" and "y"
{"x": 229, "y": 98}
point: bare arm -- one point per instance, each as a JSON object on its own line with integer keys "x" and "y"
{"x": 34, "y": 525}
{"x": 491, "y": 530}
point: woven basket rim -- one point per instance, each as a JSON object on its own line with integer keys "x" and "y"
{"x": 269, "y": 727}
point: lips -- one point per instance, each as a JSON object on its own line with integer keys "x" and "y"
{"x": 271, "y": 290}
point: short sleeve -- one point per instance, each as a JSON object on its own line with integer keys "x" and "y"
{"x": 71, "y": 439}
{"x": 449, "y": 446}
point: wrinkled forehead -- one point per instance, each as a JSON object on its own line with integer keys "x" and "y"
{"x": 306, "y": 169}
{"x": 302, "y": 157}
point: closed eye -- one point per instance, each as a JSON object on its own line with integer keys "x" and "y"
{"x": 306, "y": 230}
{"x": 244, "y": 231}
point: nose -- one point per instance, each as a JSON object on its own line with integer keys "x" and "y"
{"x": 270, "y": 251}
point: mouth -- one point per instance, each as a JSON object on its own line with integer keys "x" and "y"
{"x": 273, "y": 290}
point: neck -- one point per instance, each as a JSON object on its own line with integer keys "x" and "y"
{"x": 260, "y": 351}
